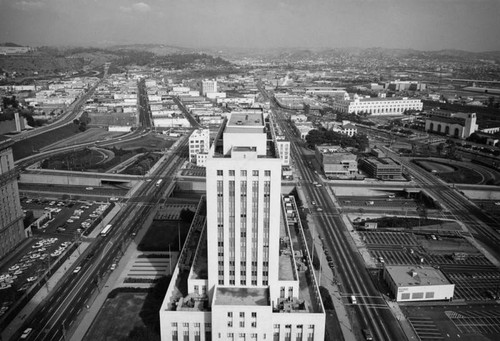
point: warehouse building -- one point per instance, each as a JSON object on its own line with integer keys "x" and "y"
{"x": 418, "y": 283}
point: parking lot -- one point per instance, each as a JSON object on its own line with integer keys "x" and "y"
{"x": 476, "y": 322}
{"x": 474, "y": 286}
{"x": 50, "y": 243}
{"x": 471, "y": 322}
{"x": 376, "y": 238}
{"x": 399, "y": 204}
{"x": 24, "y": 271}
{"x": 192, "y": 170}
{"x": 474, "y": 276}
{"x": 66, "y": 218}
{"x": 425, "y": 328}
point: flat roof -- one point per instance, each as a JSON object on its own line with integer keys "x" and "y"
{"x": 242, "y": 296}
{"x": 405, "y": 276}
{"x": 246, "y": 120}
{"x": 383, "y": 161}
{"x": 287, "y": 270}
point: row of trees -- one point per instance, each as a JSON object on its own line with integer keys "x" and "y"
{"x": 323, "y": 136}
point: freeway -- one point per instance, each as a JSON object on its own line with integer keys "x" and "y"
{"x": 456, "y": 205}
{"x": 371, "y": 310}
{"x": 145, "y": 115}
{"x": 186, "y": 113}
{"x": 69, "y": 114}
{"x": 56, "y": 314}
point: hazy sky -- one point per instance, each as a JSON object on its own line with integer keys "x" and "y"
{"x": 420, "y": 24}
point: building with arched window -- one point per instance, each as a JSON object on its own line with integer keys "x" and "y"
{"x": 459, "y": 125}
{"x": 378, "y": 106}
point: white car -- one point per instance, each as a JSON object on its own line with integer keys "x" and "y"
{"x": 77, "y": 269}
{"x": 26, "y": 333}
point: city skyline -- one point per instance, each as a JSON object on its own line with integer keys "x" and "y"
{"x": 424, "y": 25}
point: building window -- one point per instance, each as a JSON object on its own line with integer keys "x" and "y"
{"x": 220, "y": 172}
{"x": 231, "y": 172}
{"x": 229, "y": 314}
{"x": 243, "y": 173}
{"x": 254, "y": 314}
{"x": 230, "y": 323}
{"x": 242, "y": 324}
{"x": 255, "y": 173}
{"x": 185, "y": 324}
{"x": 242, "y": 314}
{"x": 267, "y": 173}
{"x": 174, "y": 324}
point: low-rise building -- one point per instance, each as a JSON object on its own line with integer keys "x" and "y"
{"x": 336, "y": 162}
{"x": 460, "y": 125}
{"x": 422, "y": 283}
{"x": 378, "y": 106}
{"x": 382, "y": 168}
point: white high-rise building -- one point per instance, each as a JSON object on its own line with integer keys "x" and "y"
{"x": 243, "y": 281}
{"x": 199, "y": 145}
{"x": 208, "y": 86}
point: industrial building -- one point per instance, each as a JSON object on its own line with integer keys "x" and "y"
{"x": 378, "y": 106}
{"x": 418, "y": 283}
{"x": 11, "y": 214}
{"x": 237, "y": 277}
{"x": 336, "y": 162}
{"x": 382, "y": 168}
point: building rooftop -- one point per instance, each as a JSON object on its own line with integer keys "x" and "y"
{"x": 247, "y": 120}
{"x": 384, "y": 99}
{"x": 415, "y": 276}
{"x": 242, "y": 296}
{"x": 381, "y": 162}
{"x": 444, "y": 119}
{"x": 287, "y": 268}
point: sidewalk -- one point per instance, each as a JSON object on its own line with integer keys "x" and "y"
{"x": 96, "y": 301}
{"x": 328, "y": 279}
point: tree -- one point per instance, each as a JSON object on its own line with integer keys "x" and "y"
{"x": 187, "y": 215}
{"x": 82, "y": 127}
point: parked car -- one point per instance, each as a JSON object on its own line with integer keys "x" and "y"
{"x": 26, "y": 333}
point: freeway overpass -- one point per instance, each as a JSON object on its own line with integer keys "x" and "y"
{"x": 60, "y": 177}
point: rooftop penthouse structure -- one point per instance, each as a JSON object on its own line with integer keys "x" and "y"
{"x": 249, "y": 276}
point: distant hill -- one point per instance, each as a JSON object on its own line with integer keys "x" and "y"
{"x": 11, "y": 45}
{"x": 157, "y": 49}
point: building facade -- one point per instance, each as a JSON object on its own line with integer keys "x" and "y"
{"x": 243, "y": 276}
{"x": 199, "y": 145}
{"x": 460, "y": 125}
{"x": 410, "y": 284}
{"x": 11, "y": 214}
{"x": 208, "y": 86}
{"x": 382, "y": 168}
{"x": 378, "y": 106}
{"x": 336, "y": 162}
